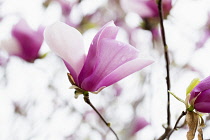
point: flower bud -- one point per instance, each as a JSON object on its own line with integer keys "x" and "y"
{"x": 200, "y": 96}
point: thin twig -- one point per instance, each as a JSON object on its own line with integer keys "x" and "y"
{"x": 168, "y": 128}
{"x": 175, "y": 126}
{"x": 87, "y": 100}
{"x": 166, "y": 60}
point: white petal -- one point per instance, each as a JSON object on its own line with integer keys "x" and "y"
{"x": 66, "y": 42}
{"x": 11, "y": 46}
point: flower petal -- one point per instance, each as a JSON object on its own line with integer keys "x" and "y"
{"x": 113, "y": 60}
{"x": 107, "y": 31}
{"x": 11, "y": 46}
{"x": 203, "y": 85}
{"x": 138, "y": 124}
{"x": 124, "y": 70}
{"x": 203, "y": 107}
{"x": 67, "y": 43}
{"x": 3, "y": 57}
{"x": 30, "y": 41}
{"x": 138, "y": 6}
{"x": 202, "y": 102}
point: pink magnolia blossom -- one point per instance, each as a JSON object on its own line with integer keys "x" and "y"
{"x": 206, "y": 34}
{"x": 138, "y": 124}
{"x": 25, "y": 42}
{"x": 66, "y": 7}
{"x": 148, "y": 11}
{"x": 3, "y": 58}
{"x": 145, "y": 8}
{"x": 107, "y": 61}
{"x": 118, "y": 89}
{"x": 200, "y": 96}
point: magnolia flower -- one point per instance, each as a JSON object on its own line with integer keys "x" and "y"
{"x": 206, "y": 34}
{"x": 148, "y": 11}
{"x": 145, "y": 8}
{"x": 138, "y": 124}
{"x": 3, "y": 58}
{"x": 25, "y": 42}
{"x": 200, "y": 96}
{"x": 107, "y": 61}
{"x": 66, "y": 7}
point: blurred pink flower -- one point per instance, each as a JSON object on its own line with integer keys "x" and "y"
{"x": 66, "y": 7}
{"x": 25, "y": 42}
{"x": 200, "y": 96}
{"x": 203, "y": 39}
{"x": 145, "y": 8}
{"x": 107, "y": 61}
{"x": 3, "y": 58}
{"x": 155, "y": 33}
{"x": 206, "y": 34}
{"x": 138, "y": 124}
{"x": 118, "y": 89}
{"x": 148, "y": 11}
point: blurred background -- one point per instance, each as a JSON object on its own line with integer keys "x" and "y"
{"x": 35, "y": 100}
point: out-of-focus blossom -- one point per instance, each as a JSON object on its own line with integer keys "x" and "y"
{"x": 25, "y": 42}
{"x": 138, "y": 124}
{"x": 107, "y": 61}
{"x": 66, "y": 7}
{"x": 118, "y": 89}
{"x": 206, "y": 34}
{"x": 3, "y": 58}
{"x": 148, "y": 11}
{"x": 155, "y": 33}
{"x": 146, "y": 8}
{"x": 200, "y": 96}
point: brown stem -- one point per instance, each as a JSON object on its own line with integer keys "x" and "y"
{"x": 87, "y": 100}
{"x": 175, "y": 126}
{"x": 167, "y": 62}
{"x": 168, "y": 128}
{"x": 167, "y": 131}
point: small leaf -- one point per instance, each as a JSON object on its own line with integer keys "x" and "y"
{"x": 192, "y": 120}
{"x": 176, "y": 97}
{"x": 71, "y": 79}
{"x": 193, "y": 83}
{"x": 43, "y": 55}
{"x": 76, "y": 94}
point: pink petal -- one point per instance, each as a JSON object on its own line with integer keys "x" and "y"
{"x": 167, "y": 6}
{"x": 3, "y": 58}
{"x": 67, "y": 43}
{"x": 204, "y": 38}
{"x": 202, "y": 102}
{"x": 114, "y": 61}
{"x": 66, "y": 7}
{"x": 140, "y": 7}
{"x": 30, "y": 41}
{"x": 107, "y": 31}
{"x": 124, "y": 70}
{"x": 203, "y": 85}
{"x": 145, "y": 8}
{"x": 203, "y": 107}
{"x": 139, "y": 124}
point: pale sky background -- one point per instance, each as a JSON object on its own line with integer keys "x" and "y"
{"x": 26, "y": 83}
